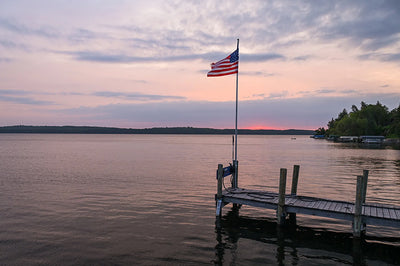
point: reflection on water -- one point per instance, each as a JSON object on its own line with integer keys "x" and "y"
{"x": 244, "y": 240}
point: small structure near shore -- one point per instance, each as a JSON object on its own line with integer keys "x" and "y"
{"x": 372, "y": 139}
{"x": 288, "y": 205}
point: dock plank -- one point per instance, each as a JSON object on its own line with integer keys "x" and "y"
{"x": 379, "y": 212}
{"x": 324, "y": 203}
{"x": 398, "y": 213}
{"x": 333, "y": 206}
{"x": 366, "y": 210}
{"x": 386, "y": 214}
{"x": 339, "y": 207}
{"x": 327, "y": 205}
{"x": 392, "y": 213}
{"x": 373, "y": 211}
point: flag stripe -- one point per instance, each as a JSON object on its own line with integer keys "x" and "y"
{"x": 222, "y": 73}
{"x": 225, "y": 71}
{"x": 226, "y": 66}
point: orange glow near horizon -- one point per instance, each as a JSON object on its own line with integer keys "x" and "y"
{"x": 259, "y": 127}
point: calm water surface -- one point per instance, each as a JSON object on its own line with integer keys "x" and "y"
{"x": 149, "y": 200}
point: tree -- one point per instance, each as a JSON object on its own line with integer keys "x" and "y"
{"x": 320, "y": 131}
{"x": 370, "y": 119}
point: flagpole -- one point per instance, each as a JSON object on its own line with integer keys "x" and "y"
{"x": 236, "y": 118}
{"x": 235, "y": 163}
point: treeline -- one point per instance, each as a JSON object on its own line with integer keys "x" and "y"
{"x": 156, "y": 130}
{"x": 369, "y": 119}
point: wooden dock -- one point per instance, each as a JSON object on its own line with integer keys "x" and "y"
{"x": 359, "y": 212}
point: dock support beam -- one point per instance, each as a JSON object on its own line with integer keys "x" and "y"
{"x": 219, "y": 190}
{"x": 359, "y": 226}
{"x": 293, "y": 192}
{"x": 235, "y": 174}
{"x": 280, "y": 212}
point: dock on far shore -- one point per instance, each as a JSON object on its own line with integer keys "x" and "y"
{"x": 288, "y": 205}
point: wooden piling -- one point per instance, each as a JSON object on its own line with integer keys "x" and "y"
{"x": 293, "y": 192}
{"x": 357, "y": 222}
{"x": 295, "y": 179}
{"x": 280, "y": 213}
{"x": 235, "y": 174}
{"x": 364, "y": 185}
{"x": 219, "y": 189}
{"x": 219, "y": 178}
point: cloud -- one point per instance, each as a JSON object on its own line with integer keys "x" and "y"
{"x": 302, "y": 58}
{"x": 20, "y": 28}
{"x": 137, "y": 96}
{"x": 325, "y": 91}
{"x": 372, "y": 25}
{"x": 24, "y": 100}
{"x": 277, "y": 95}
{"x": 260, "y": 57}
{"x": 385, "y": 57}
{"x": 256, "y": 73}
{"x": 14, "y": 92}
{"x": 19, "y": 96}
{"x": 109, "y": 57}
{"x": 5, "y": 59}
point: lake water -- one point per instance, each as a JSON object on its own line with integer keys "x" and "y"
{"x": 149, "y": 200}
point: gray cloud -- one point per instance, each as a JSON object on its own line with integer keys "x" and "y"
{"x": 137, "y": 96}
{"x": 277, "y": 95}
{"x": 96, "y": 56}
{"x": 19, "y": 28}
{"x": 20, "y": 97}
{"x": 24, "y": 100}
{"x": 385, "y": 57}
{"x": 14, "y": 92}
{"x": 260, "y": 57}
{"x": 5, "y": 59}
{"x": 372, "y": 25}
{"x": 325, "y": 91}
{"x": 302, "y": 58}
{"x": 256, "y": 73}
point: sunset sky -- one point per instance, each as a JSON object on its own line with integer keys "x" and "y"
{"x": 138, "y": 64}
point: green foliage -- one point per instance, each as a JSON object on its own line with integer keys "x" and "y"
{"x": 370, "y": 119}
{"x": 320, "y": 131}
{"x": 393, "y": 130}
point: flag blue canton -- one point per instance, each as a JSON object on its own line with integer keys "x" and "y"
{"x": 234, "y": 56}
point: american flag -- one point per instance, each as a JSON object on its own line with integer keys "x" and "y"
{"x": 226, "y": 66}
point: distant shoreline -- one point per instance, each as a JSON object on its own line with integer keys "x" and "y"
{"x": 154, "y": 130}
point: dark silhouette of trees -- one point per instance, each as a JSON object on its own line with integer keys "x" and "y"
{"x": 370, "y": 119}
{"x": 155, "y": 130}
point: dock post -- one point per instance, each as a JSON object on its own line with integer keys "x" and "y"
{"x": 219, "y": 190}
{"x": 296, "y": 170}
{"x": 357, "y": 222}
{"x": 235, "y": 174}
{"x": 293, "y": 192}
{"x": 280, "y": 213}
{"x": 364, "y": 184}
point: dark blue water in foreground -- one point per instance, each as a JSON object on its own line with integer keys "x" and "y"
{"x": 149, "y": 200}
